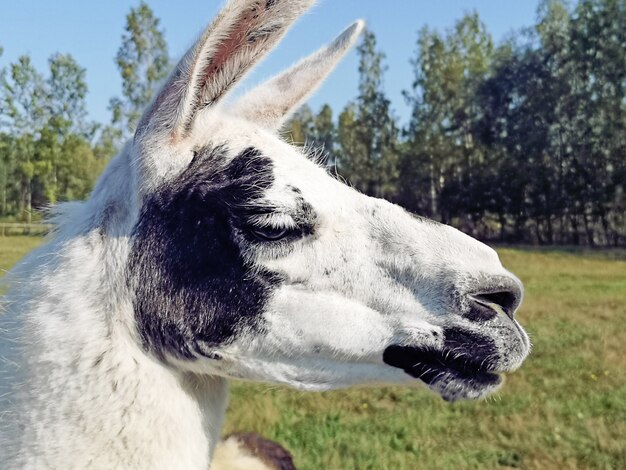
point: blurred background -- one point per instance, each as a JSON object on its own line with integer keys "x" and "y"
{"x": 506, "y": 119}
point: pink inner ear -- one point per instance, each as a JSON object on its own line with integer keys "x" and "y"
{"x": 246, "y": 33}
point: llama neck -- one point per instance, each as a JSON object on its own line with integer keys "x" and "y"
{"x": 114, "y": 407}
{"x": 91, "y": 397}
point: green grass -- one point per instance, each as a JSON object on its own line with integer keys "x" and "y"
{"x": 12, "y": 248}
{"x": 564, "y": 409}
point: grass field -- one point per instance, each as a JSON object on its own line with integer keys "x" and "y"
{"x": 565, "y": 409}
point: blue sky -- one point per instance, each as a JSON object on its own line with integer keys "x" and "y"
{"x": 91, "y": 31}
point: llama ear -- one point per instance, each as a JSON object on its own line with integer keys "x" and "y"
{"x": 243, "y": 32}
{"x": 271, "y": 103}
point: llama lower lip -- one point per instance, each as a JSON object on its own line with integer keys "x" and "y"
{"x": 431, "y": 366}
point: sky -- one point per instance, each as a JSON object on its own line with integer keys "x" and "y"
{"x": 91, "y": 31}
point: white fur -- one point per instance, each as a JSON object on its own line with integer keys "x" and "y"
{"x": 270, "y": 105}
{"x": 231, "y": 455}
{"x": 85, "y": 392}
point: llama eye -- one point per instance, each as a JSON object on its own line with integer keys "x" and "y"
{"x": 270, "y": 233}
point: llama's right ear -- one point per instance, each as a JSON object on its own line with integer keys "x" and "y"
{"x": 243, "y": 32}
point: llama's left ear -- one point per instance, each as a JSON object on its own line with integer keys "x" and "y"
{"x": 271, "y": 103}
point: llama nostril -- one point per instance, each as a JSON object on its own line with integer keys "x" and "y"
{"x": 501, "y": 302}
{"x": 501, "y": 295}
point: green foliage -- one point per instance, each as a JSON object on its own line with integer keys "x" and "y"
{"x": 325, "y": 134}
{"x": 524, "y": 142}
{"x": 299, "y": 130}
{"x": 23, "y": 97}
{"x": 520, "y": 142}
{"x": 315, "y": 132}
{"x": 442, "y": 151}
{"x": 45, "y": 150}
{"x": 143, "y": 62}
{"x": 367, "y": 131}
{"x": 49, "y": 150}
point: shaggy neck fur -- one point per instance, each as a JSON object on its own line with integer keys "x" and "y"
{"x": 90, "y": 396}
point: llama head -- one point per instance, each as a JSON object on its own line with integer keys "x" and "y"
{"x": 250, "y": 261}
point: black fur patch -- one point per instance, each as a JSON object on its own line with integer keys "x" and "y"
{"x": 269, "y": 452}
{"x": 193, "y": 287}
{"x": 466, "y": 356}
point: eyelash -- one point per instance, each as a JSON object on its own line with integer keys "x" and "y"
{"x": 272, "y": 234}
{"x": 271, "y": 227}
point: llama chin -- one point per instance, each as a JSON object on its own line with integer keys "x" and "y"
{"x": 210, "y": 249}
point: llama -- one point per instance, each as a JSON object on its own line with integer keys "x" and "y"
{"x": 212, "y": 250}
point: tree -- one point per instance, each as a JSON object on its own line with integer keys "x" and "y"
{"x": 24, "y": 108}
{"x": 598, "y": 57}
{"x": 65, "y": 137}
{"x": 367, "y": 131}
{"x": 23, "y": 97}
{"x": 442, "y": 157}
{"x": 46, "y": 143}
{"x": 513, "y": 130}
{"x": 299, "y": 129}
{"x": 143, "y": 62}
{"x": 324, "y": 135}
{"x": 554, "y": 113}
{"x": 315, "y": 132}
{"x": 67, "y": 88}
{"x": 5, "y": 145}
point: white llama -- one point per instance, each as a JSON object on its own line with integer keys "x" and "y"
{"x": 210, "y": 249}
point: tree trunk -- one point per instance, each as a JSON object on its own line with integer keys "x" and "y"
{"x": 588, "y": 229}
{"x": 433, "y": 189}
{"x": 605, "y": 227}
{"x": 538, "y": 231}
{"x": 550, "y": 233}
{"x": 28, "y": 202}
{"x": 502, "y": 221}
{"x": 575, "y": 234}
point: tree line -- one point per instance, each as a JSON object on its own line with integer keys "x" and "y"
{"x": 522, "y": 141}
{"x": 49, "y": 150}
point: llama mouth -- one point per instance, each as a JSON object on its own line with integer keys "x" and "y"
{"x": 445, "y": 370}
